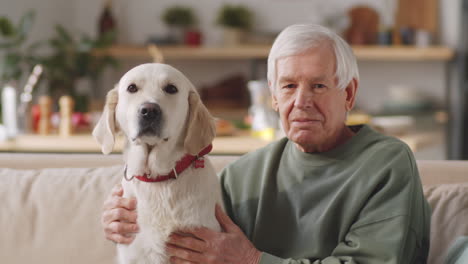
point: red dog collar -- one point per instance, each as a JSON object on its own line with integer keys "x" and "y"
{"x": 197, "y": 161}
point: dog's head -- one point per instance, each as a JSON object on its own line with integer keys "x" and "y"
{"x": 153, "y": 104}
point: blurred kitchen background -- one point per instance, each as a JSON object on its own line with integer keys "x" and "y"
{"x": 59, "y": 58}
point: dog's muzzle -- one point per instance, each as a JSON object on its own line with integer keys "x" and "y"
{"x": 149, "y": 119}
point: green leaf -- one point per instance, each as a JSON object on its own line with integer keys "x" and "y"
{"x": 235, "y": 16}
{"x": 12, "y": 58}
{"x": 26, "y": 23}
{"x": 85, "y": 44}
{"x": 12, "y": 66}
{"x": 16, "y": 58}
{"x": 7, "y": 45}
{"x": 6, "y": 27}
{"x": 33, "y": 47}
{"x": 106, "y": 40}
{"x": 71, "y": 57}
{"x": 63, "y": 34}
{"x": 179, "y": 16}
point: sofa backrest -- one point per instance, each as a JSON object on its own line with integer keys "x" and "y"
{"x": 431, "y": 171}
{"x": 53, "y": 215}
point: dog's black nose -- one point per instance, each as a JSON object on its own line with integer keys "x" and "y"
{"x": 150, "y": 111}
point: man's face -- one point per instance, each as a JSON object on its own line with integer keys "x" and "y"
{"x": 312, "y": 109}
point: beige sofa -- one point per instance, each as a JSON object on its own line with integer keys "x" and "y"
{"x": 51, "y": 205}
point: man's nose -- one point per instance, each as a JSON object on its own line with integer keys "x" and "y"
{"x": 304, "y": 97}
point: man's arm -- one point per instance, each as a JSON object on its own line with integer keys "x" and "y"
{"x": 376, "y": 243}
{"x": 232, "y": 246}
{"x": 203, "y": 245}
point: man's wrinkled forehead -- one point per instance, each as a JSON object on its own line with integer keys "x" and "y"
{"x": 318, "y": 50}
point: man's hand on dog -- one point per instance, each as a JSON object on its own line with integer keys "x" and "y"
{"x": 203, "y": 245}
{"x": 199, "y": 245}
{"x": 119, "y": 217}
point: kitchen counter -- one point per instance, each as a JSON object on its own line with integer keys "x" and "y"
{"x": 85, "y": 143}
{"x": 223, "y": 145}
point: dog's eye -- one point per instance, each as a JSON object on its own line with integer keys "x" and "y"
{"x": 132, "y": 88}
{"x": 170, "y": 89}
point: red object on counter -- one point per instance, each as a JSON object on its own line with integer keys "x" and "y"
{"x": 193, "y": 38}
{"x": 35, "y": 115}
{"x": 80, "y": 119}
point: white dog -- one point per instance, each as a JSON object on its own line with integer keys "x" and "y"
{"x": 168, "y": 131}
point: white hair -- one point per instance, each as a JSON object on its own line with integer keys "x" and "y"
{"x": 297, "y": 39}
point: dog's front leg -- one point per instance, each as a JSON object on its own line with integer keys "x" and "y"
{"x": 137, "y": 156}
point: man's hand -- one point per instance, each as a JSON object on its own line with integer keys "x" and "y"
{"x": 203, "y": 245}
{"x": 119, "y": 217}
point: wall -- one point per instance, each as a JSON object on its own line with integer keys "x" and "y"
{"x": 48, "y": 13}
{"x": 140, "y": 18}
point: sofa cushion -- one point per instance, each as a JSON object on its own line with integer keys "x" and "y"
{"x": 53, "y": 215}
{"x": 449, "y": 204}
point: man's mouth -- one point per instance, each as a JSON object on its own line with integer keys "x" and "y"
{"x": 306, "y": 120}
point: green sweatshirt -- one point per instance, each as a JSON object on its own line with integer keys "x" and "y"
{"x": 361, "y": 202}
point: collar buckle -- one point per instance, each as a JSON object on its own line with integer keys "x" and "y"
{"x": 125, "y": 174}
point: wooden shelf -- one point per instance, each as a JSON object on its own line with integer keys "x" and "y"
{"x": 186, "y": 52}
{"x": 367, "y": 53}
{"x": 403, "y": 53}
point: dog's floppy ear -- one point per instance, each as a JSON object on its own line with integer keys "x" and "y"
{"x": 105, "y": 129}
{"x": 201, "y": 128}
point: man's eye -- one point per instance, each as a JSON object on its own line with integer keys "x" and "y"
{"x": 319, "y": 88}
{"x": 289, "y": 86}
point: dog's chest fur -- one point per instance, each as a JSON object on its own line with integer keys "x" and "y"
{"x": 164, "y": 207}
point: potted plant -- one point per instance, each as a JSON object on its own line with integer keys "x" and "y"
{"x": 71, "y": 60}
{"x": 236, "y": 20}
{"x": 181, "y": 21}
{"x": 15, "y": 58}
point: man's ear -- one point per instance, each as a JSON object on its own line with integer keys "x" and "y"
{"x": 351, "y": 91}
{"x": 105, "y": 129}
{"x": 201, "y": 128}
{"x": 274, "y": 101}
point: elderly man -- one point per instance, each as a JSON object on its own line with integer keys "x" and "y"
{"x": 327, "y": 193}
